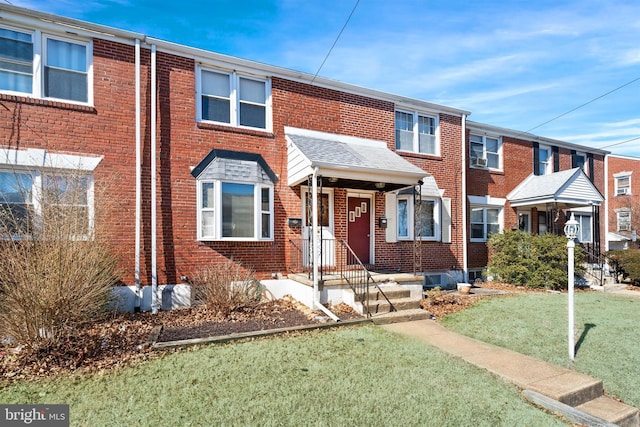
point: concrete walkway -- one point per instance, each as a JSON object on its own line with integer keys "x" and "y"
{"x": 576, "y": 396}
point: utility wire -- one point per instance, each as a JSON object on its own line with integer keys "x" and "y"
{"x": 335, "y": 41}
{"x": 583, "y": 105}
{"x": 622, "y": 142}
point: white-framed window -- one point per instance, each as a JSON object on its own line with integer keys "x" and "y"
{"x": 584, "y": 232}
{"x": 234, "y": 99}
{"x": 428, "y": 217}
{"x": 623, "y": 217}
{"x": 485, "y": 221}
{"x": 417, "y": 132}
{"x": 45, "y": 202}
{"x": 544, "y": 160}
{"x": 43, "y": 65}
{"x": 485, "y": 151}
{"x": 234, "y": 210}
{"x": 580, "y": 161}
{"x": 622, "y": 183}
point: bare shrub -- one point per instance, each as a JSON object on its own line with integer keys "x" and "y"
{"x": 56, "y": 269}
{"x": 226, "y": 287}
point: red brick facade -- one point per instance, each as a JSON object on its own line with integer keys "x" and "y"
{"x": 620, "y": 166}
{"x": 107, "y": 129}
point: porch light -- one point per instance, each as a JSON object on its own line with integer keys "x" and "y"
{"x": 333, "y": 179}
{"x": 571, "y": 229}
{"x": 379, "y": 185}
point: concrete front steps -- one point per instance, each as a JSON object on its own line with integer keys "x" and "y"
{"x": 407, "y": 308}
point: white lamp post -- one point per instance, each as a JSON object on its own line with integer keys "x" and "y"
{"x": 571, "y": 231}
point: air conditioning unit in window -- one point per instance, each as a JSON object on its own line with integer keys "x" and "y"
{"x": 621, "y": 191}
{"x": 480, "y": 162}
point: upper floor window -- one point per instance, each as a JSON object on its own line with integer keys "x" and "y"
{"x": 416, "y": 132}
{"x": 624, "y": 219}
{"x": 234, "y": 99}
{"x": 622, "y": 183}
{"x": 544, "y": 161}
{"x": 485, "y": 151}
{"x": 426, "y": 214}
{"x": 45, "y": 66}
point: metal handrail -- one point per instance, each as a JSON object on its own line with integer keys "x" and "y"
{"x": 353, "y": 271}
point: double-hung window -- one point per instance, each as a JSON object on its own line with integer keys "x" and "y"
{"x": 624, "y": 219}
{"x": 234, "y": 99}
{"x": 421, "y": 220}
{"x": 16, "y": 61}
{"x": 416, "y": 133}
{"x": 485, "y": 221}
{"x": 45, "y": 66}
{"x": 622, "y": 183}
{"x": 544, "y": 161}
{"x": 485, "y": 151}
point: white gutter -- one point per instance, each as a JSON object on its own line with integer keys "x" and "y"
{"x": 138, "y": 179}
{"x": 315, "y": 242}
{"x": 465, "y": 264}
{"x": 154, "y": 261}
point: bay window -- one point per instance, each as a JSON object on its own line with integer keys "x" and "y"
{"x": 235, "y": 211}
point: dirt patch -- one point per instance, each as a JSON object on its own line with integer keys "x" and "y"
{"x": 121, "y": 339}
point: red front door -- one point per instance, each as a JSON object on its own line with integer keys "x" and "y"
{"x": 359, "y": 227}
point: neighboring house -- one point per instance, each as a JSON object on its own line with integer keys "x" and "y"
{"x": 623, "y": 198}
{"x": 522, "y": 181}
{"x": 212, "y": 157}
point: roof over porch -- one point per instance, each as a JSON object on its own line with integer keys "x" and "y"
{"x": 348, "y": 162}
{"x": 564, "y": 190}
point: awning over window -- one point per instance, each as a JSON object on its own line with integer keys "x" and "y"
{"x": 348, "y": 162}
{"x": 565, "y": 189}
{"x": 234, "y": 165}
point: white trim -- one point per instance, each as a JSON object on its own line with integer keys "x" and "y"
{"x": 486, "y": 200}
{"x": 40, "y": 158}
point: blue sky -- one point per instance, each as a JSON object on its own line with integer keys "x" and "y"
{"x": 515, "y": 64}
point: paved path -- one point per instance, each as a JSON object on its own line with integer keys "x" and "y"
{"x": 574, "y": 392}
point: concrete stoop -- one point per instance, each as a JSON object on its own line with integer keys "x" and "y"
{"x": 407, "y": 308}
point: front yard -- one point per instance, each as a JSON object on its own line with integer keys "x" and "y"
{"x": 351, "y": 376}
{"x": 607, "y": 341}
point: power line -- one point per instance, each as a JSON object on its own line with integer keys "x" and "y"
{"x": 335, "y": 41}
{"x": 620, "y": 143}
{"x": 583, "y": 105}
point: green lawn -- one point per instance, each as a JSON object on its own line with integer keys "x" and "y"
{"x": 362, "y": 376}
{"x": 607, "y": 328}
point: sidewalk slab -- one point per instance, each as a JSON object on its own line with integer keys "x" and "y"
{"x": 568, "y": 388}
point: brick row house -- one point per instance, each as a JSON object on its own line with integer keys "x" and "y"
{"x": 212, "y": 157}
{"x": 623, "y": 200}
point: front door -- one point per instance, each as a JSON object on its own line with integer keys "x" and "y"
{"x": 359, "y": 227}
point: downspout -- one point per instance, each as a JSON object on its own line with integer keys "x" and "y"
{"x": 138, "y": 179}
{"x": 465, "y": 264}
{"x": 315, "y": 243}
{"x": 606, "y": 203}
{"x": 154, "y": 255}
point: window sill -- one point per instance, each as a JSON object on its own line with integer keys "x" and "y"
{"x": 48, "y": 103}
{"x": 234, "y": 129}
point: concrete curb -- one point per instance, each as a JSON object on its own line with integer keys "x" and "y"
{"x": 166, "y": 345}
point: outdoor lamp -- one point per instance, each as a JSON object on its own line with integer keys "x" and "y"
{"x": 571, "y": 229}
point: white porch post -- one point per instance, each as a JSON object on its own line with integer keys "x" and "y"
{"x": 315, "y": 243}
